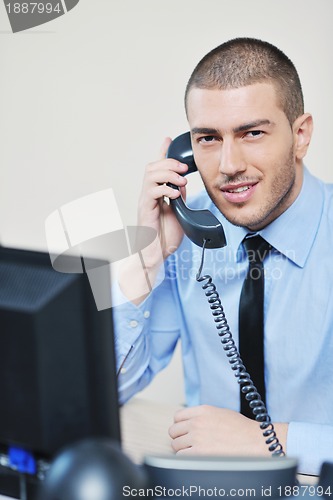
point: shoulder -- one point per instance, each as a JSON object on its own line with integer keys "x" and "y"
{"x": 327, "y": 218}
{"x": 327, "y": 190}
{"x": 318, "y": 192}
{"x": 326, "y": 187}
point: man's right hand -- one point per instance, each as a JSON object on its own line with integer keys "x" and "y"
{"x": 154, "y": 212}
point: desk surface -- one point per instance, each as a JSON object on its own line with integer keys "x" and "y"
{"x": 144, "y": 428}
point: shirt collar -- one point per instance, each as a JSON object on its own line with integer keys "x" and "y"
{"x": 293, "y": 232}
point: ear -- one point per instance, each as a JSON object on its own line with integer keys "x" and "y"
{"x": 302, "y": 130}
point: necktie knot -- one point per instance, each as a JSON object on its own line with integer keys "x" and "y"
{"x": 256, "y": 248}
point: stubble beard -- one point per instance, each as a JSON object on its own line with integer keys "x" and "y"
{"x": 277, "y": 201}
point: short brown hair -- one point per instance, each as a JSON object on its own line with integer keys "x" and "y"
{"x": 245, "y": 61}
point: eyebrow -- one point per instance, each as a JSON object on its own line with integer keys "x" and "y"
{"x": 203, "y": 130}
{"x": 254, "y": 124}
{"x": 240, "y": 128}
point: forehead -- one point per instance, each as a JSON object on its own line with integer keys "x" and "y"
{"x": 224, "y": 108}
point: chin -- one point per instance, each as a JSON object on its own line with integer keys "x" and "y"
{"x": 252, "y": 222}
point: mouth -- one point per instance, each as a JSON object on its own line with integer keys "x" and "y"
{"x": 239, "y": 193}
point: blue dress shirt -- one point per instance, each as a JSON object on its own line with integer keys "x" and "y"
{"x": 298, "y": 342}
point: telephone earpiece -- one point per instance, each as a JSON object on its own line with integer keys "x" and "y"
{"x": 198, "y": 225}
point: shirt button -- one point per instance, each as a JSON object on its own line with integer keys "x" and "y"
{"x": 146, "y": 314}
{"x": 133, "y": 323}
{"x": 123, "y": 371}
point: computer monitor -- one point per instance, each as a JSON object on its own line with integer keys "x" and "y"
{"x": 57, "y": 360}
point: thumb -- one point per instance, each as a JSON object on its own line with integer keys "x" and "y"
{"x": 183, "y": 192}
{"x": 164, "y": 147}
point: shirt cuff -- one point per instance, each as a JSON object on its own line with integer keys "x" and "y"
{"x": 311, "y": 444}
{"x": 129, "y": 321}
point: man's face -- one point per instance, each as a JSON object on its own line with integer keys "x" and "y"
{"x": 245, "y": 150}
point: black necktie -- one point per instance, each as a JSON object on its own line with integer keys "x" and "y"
{"x": 251, "y": 318}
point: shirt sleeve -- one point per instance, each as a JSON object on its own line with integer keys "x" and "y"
{"x": 311, "y": 444}
{"x": 145, "y": 338}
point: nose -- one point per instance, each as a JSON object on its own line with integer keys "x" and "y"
{"x": 231, "y": 159}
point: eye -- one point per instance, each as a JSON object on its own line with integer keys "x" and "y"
{"x": 254, "y": 134}
{"x": 207, "y": 139}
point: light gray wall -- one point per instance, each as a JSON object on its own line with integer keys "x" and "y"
{"x": 86, "y": 100}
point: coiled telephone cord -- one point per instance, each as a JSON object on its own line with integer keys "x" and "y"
{"x": 243, "y": 378}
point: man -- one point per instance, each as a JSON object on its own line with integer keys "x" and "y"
{"x": 249, "y": 136}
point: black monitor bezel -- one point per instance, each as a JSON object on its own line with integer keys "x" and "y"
{"x": 101, "y": 359}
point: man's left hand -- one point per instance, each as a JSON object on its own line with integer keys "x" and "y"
{"x": 208, "y": 430}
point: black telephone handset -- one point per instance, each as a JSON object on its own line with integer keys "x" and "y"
{"x": 199, "y": 225}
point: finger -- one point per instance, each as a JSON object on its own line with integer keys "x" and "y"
{"x": 165, "y": 175}
{"x": 165, "y": 146}
{"x": 183, "y": 192}
{"x": 187, "y": 451}
{"x": 181, "y": 443}
{"x": 156, "y": 193}
{"x": 179, "y": 429}
{"x": 187, "y": 413}
{"x": 167, "y": 165}
{"x": 161, "y": 192}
